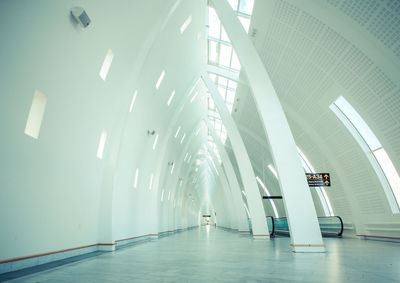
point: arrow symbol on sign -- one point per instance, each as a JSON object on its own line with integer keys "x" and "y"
{"x": 326, "y": 176}
{"x": 327, "y": 183}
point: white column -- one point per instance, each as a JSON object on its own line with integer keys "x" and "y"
{"x": 242, "y": 223}
{"x": 254, "y": 200}
{"x": 303, "y": 223}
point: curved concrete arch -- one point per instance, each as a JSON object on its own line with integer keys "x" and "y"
{"x": 106, "y": 213}
{"x": 220, "y": 178}
{"x": 259, "y": 141}
{"x": 304, "y": 228}
{"x": 256, "y": 208}
{"x": 227, "y": 190}
{"x": 242, "y": 221}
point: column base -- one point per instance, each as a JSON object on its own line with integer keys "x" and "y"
{"x": 261, "y": 237}
{"x": 308, "y": 248}
{"x": 109, "y": 247}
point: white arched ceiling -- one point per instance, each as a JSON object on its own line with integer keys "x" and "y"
{"x": 316, "y": 51}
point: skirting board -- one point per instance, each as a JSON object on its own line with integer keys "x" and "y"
{"x": 14, "y": 264}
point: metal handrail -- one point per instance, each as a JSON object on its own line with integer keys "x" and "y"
{"x": 324, "y": 233}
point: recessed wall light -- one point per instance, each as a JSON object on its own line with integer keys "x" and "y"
{"x": 133, "y": 101}
{"x": 171, "y": 97}
{"x": 160, "y": 79}
{"x": 151, "y": 181}
{"x": 106, "y": 64}
{"x": 177, "y": 131}
{"x": 35, "y": 117}
{"x": 155, "y": 142}
{"x": 186, "y": 24}
{"x": 194, "y": 96}
{"x": 136, "y": 178}
{"x": 102, "y": 142}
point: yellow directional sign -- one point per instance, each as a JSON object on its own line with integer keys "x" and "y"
{"x": 318, "y": 179}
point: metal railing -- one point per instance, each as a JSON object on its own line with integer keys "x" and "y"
{"x": 331, "y": 226}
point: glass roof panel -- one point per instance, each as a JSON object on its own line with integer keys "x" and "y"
{"x": 213, "y": 77}
{"x": 235, "y": 64}
{"x": 358, "y": 123}
{"x": 230, "y": 96}
{"x": 246, "y": 6}
{"x": 212, "y": 51}
{"x": 224, "y": 35}
{"x": 234, "y": 4}
{"x": 222, "y": 81}
{"x": 213, "y": 23}
{"x": 232, "y": 85}
{"x": 245, "y": 23}
{"x": 222, "y": 54}
{"x": 225, "y": 55}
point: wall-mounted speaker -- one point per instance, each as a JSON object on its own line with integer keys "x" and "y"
{"x": 80, "y": 15}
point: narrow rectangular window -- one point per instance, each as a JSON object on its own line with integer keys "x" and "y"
{"x": 171, "y": 97}
{"x": 183, "y": 137}
{"x": 194, "y": 96}
{"x": 155, "y": 142}
{"x": 102, "y": 143}
{"x": 177, "y": 131}
{"x": 133, "y": 101}
{"x": 376, "y": 154}
{"x": 151, "y": 181}
{"x": 136, "y": 178}
{"x": 106, "y": 64}
{"x": 160, "y": 79}
{"x": 36, "y": 113}
{"x": 186, "y": 24}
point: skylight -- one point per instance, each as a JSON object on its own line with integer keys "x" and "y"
{"x": 220, "y": 48}
{"x": 358, "y": 123}
{"x": 374, "y": 150}
{"x": 216, "y": 120}
{"x": 222, "y": 55}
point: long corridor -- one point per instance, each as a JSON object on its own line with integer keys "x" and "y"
{"x": 212, "y": 254}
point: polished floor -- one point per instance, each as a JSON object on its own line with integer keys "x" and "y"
{"x": 215, "y": 255}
